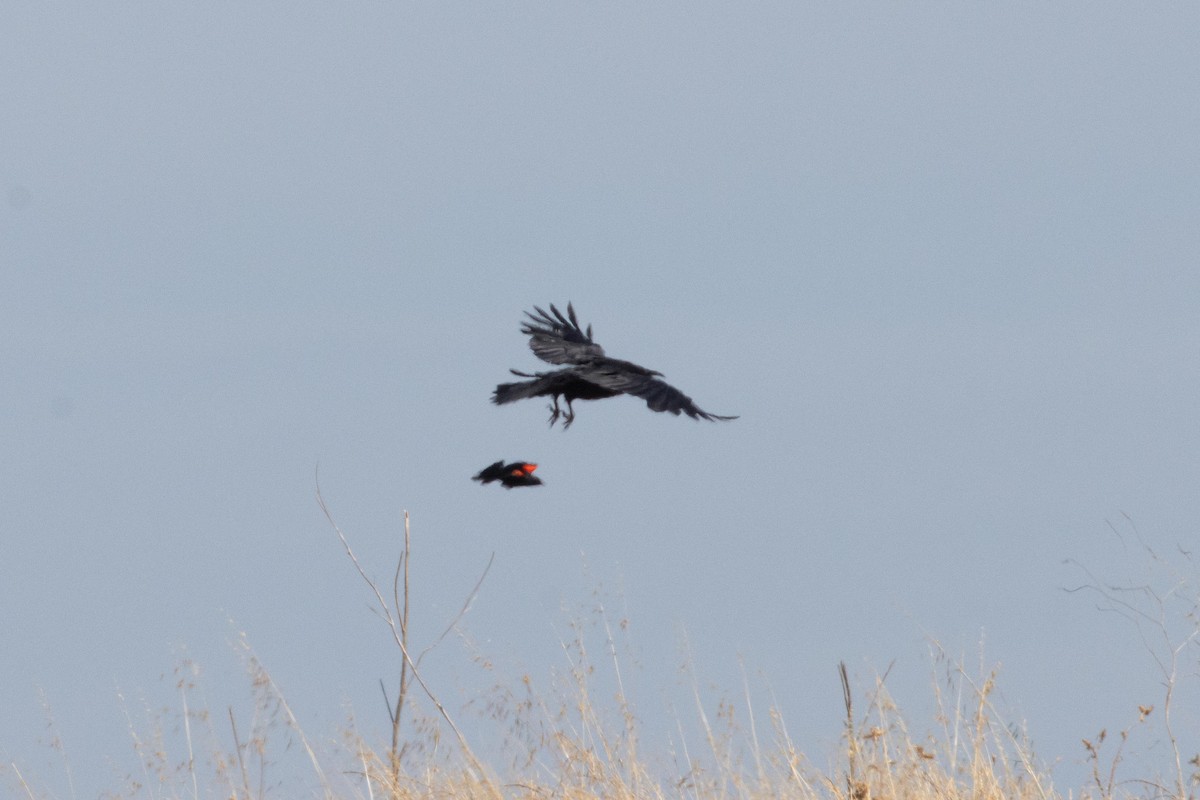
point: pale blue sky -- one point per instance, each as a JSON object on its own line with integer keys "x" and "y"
{"x": 942, "y": 260}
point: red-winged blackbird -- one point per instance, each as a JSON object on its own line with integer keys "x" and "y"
{"x": 591, "y": 375}
{"x": 518, "y": 473}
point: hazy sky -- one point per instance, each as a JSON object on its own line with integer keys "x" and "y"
{"x": 944, "y": 261}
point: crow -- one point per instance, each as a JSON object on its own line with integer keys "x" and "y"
{"x": 518, "y": 473}
{"x": 589, "y": 374}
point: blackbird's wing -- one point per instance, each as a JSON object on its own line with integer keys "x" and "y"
{"x": 490, "y": 473}
{"x": 559, "y": 339}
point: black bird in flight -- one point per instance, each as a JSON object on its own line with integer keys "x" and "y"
{"x": 518, "y": 473}
{"x": 589, "y": 374}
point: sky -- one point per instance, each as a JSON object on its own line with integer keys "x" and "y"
{"x": 942, "y": 260}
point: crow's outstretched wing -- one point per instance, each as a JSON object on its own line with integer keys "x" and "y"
{"x": 559, "y": 339}
{"x": 621, "y": 376}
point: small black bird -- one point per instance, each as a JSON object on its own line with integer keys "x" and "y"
{"x": 518, "y": 473}
{"x": 590, "y": 374}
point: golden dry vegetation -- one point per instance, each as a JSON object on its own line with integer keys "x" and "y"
{"x": 574, "y": 741}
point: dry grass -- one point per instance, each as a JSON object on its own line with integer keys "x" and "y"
{"x": 573, "y": 740}
{"x": 562, "y": 743}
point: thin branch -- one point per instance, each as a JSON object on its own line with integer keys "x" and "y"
{"x": 402, "y": 694}
{"x": 387, "y": 612}
{"x": 399, "y": 630}
{"x": 238, "y": 749}
{"x": 851, "y": 737}
{"x": 462, "y": 612}
{"x": 187, "y": 730}
{"x": 386, "y": 702}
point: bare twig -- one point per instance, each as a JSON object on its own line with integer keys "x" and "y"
{"x": 21, "y": 778}
{"x": 264, "y": 678}
{"x": 238, "y": 749}
{"x": 397, "y": 619}
{"x": 462, "y": 612}
{"x": 187, "y": 731}
{"x": 1151, "y": 611}
{"x": 852, "y": 783}
{"x": 56, "y": 741}
{"x": 402, "y": 695}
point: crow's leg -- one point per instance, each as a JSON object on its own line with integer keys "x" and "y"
{"x": 555, "y": 413}
{"x": 570, "y": 415}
